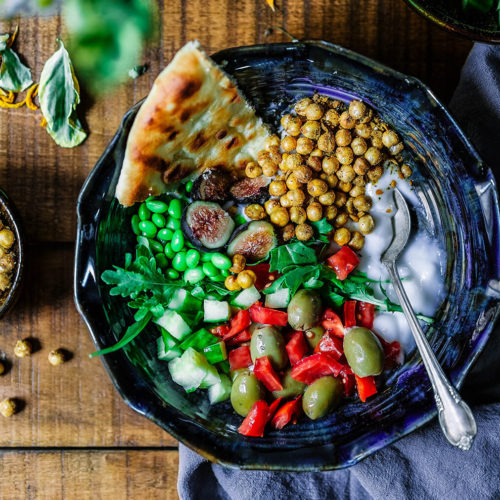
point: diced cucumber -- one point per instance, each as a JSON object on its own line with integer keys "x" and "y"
{"x": 224, "y": 367}
{"x": 190, "y": 370}
{"x": 279, "y": 299}
{"x": 215, "y": 353}
{"x": 199, "y": 340}
{"x": 174, "y": 323}
{"x": 221, "y": 391}
{"x": 216, "y": 310}
{"x": 167, "y": 353}
{"x": 211, "y": 378}
{"x": 182, "y": 300}
{"x": 246, "y": 298}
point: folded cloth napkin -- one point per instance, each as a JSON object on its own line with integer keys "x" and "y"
{"x": 422, "y": 465}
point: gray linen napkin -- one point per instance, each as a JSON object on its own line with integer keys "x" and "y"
{"x": 422, "y": 465}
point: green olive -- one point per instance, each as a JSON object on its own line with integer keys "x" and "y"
{"x": 291, "y": 387}
{"x": 245, "y": 392}
{"x": 322, "y": 396}
{"x": 363, "y": 352}
{"x": 268, "y": 341}
{"x": 304, "y": 310}
{"x": 313, "y": 335}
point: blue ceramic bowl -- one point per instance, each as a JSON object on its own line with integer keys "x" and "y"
{"x": 457, "y": 191}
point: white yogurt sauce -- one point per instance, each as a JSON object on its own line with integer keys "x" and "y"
{"x": 421, "y": 264}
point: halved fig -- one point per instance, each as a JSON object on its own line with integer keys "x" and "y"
{"x": 251, "y": 190}
{"x": 254, "y": 240}
{"x": 207, "y": 225}
{"x": 212, "y": 185}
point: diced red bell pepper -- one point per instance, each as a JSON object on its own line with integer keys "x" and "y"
{"x": 331, "y": 344}
{"x": 267, "y": 316}
{"x": 220, "y": 331}
{"x": 238, "y": 323}
{"x": 349, "y": 382}
{"x": 289, "y": 412}
{"x": 366, "y": 387}
{"x": 264, "y": 371}
{"x": 256, "y": 420}
{"x": 240, "y": 358}
{"x": 296, "y": 348}
{"x": 349, "y": 313}
{"x": 392, "y": 351}
{"x": 263, "y": 275}
{"x": 331, "y": 321}
{"x": 273, "y": 407}
{"x": 243, "y": 336}
{"x": 365, "y": 314}
{"x": 343, "y": 262}
{"x": 321, "y": 364}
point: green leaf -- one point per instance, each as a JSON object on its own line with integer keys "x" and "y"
{"x": 295, "y": 254}
{"x": 59, "y": 94}
{"x": 321, "y": 226}
{"x": 14, "y": 75}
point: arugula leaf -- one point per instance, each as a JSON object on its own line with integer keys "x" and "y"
{"x": 322, "y": 226}
{"x": 14, "y": 75}
{"x": 295, "y": 254}
{"x": 294, "y": 278}
{"x": 59, "y": 94}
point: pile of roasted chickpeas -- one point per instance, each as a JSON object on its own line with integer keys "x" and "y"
{"x": 320, "y": 167}
{"x": 241, "y": 277}
{"x": 7, "y": 260}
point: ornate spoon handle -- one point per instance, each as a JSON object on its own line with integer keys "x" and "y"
{"x": 455, "y": 416}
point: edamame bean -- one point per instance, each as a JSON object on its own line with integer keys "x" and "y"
{"x": 206, "y": 257}
{"x": 156, "y": 246}
{"x": 135, "y": 224}
{"x": 217, "y": 278}
{"x": 225, "y": 273}
{"x": 192, "y": 258}
{"x": 175, "y": 208}
{"x": 173, "y": 224}
{"x": 209, "y": 269}
{"x": 189, "y": 186}
{"x": 147, "y": 228}
{"x": 165, "y": 234}
{"x": 221, "y": 261}
{"x": 179, "y": 262}
{"x": 161, "y": 260}
{"x": 168, "y": 251}
{"x": 177, "y": 241}
{"x": 172, "y": 274}
{"x": 157, "y": 206}
{"x": 159, "y": 220}
{"x": 193, "y": 275}
{"x": 144, "y": 212}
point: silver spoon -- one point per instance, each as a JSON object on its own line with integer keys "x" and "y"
{"x": 455, "y": 416}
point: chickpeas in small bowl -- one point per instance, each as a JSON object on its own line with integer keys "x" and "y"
{"x": 11, "y": 254}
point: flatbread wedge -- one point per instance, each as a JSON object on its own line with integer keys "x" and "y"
{"x": 194, "y": 118}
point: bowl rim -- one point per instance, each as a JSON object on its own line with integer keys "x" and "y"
{"x": 138, "y": 395}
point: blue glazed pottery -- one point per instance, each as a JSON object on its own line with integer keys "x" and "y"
{"x": 456, "y": 190}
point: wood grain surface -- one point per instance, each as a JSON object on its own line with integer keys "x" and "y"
{"x": 74, "y": 437}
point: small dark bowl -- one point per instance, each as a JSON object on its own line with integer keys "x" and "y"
{"x": 458, "y": 193}
{"x": 470, "y": 23}
{"x": 11, "y": 219}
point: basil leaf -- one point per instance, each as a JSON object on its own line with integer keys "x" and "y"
{"x": 59, "y": 94}
{"x": 14, "y": 75}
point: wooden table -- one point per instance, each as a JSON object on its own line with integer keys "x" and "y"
{"x": 75, "y": 438}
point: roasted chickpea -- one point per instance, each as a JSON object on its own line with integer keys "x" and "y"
{"x": 363, "y": 130}
{"x": 296, "y": 197}
{"x": 368, "y": 116}
{"x": 330, "y": 165}
{"x": 314, "y": 111}
{"x": 284, "y": 202}
{"x": 280, "y": 217}
{"x": 359, "y": 180}
{"x": 246, "y": 279}
{"x": 344, "y": 155}
{"x": 262, "y": 157}
{"x": 389, "y": 138}
{"x": 346, "y": 173}
{"x": 293, "y": 161}
{"x": 23, "y": 348}
{"x": 343, "y": 137}
{"x": 317, "y": 187}
{"x": 270, "y": 204}
{"x": 301, "y": 106}
{"x": 231, "y": 283}
{"x": 357, "y": 240}
{"x": 293, "y": 126}
{"x": 366, "y": 224}
{"x": 331, "y": 212}
{"x": 346, "y": 120}
{"x": 269, "y": 168}
{"x": 298, "y": 215}
{"x": 394, "y": 150}
{"x": 277, "y": 188}
{"x": 359, "y": 146}
{"x": 314, "y": 162}
{"x": 7, "y": 407}
{"x": 304, "y": 145}
{"x": 406, "y": 170}
{"x": 342, "y": 236}
{"x": 341, "y": 219}
{"x": 239, "y": 263}
{"x": 253, "y": 170}
{"x": 2, "y": 368}
{"x": 361, "y": 166}
{"x": 326, "y": 142}
{"x": 283, "y": 166}
{"x": 314, "y": 211}
{"x": 350, "y": 206}
{"x": 357, "y": 191}
{"x": 274, "y": 154}
{"x": 311, "y": 130}
{"x": 376, "y": 139}
{"x": 272, "y": 140}
{"x": 288, "y": 232}
{"x": 317, "y": 152}
{"x": 331, "y": 117}
{"x": 327, "y": 198}
{"x": 285, "y": 119}
{"x": 357, "y": 109}
{"x": 255, "y": 211}
{"x": 345, "y": 186}
{"x": 304, "y": 232}
{"x": 303, "y": 174}
{"x": 374, "y": 174}
{"x": 332, "y": 181}
{"x": 362, "y": 203}
{"x": 56, "y": 357}
{"x": 292, "y": 182}
{"x": 373, "y": 156}
{"x": 340, "y": 199}
{"x": 288, "y": 143}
